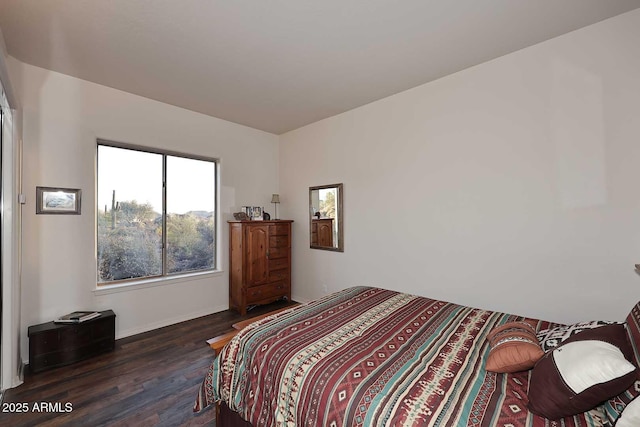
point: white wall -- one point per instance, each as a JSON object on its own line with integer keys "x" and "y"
{"x": 62, "y": 118}
{"x": 512, "y": 185}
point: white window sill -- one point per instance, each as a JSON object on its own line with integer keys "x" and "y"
{"x": 151, "y": 283}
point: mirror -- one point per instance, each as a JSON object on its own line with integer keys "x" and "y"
{"x": 325, "y": 217}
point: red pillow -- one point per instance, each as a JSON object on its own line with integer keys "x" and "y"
{"x": 514, "y": 347}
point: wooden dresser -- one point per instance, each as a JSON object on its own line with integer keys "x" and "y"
{"x": 322, "y": 232}
{"x": 259, "y": 263}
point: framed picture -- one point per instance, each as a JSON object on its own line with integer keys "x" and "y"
{"x": 53, "y": 200}
{"x": 256, "y": 213}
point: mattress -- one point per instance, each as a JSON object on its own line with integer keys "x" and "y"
{"x": 368, "y": 356}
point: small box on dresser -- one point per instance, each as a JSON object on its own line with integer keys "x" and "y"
{"x": 57, "y": 344}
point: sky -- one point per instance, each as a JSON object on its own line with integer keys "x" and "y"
{"x": 137, "y": 175}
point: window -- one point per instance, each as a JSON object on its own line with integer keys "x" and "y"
{"x": 156, "y": 213}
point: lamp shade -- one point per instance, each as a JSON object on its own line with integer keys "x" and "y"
{"x": 275, "y": 198}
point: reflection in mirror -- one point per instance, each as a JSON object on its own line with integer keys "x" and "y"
{"x": 325, "y": 217}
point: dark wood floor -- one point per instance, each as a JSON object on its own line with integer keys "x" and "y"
{"x": 150, "y": 379}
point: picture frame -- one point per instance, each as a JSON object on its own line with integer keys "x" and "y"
{"x": 256, "y": 213}
{"x": 58, "y": 201}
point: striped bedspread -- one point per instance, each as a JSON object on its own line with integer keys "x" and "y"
{"x": 372, "y": 357}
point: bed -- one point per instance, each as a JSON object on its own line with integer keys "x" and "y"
{"x": 367, "y": 356}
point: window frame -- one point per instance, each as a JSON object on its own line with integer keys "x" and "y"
{"x": 165, "y": 274}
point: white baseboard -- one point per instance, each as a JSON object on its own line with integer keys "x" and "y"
{"x": 166, "y": 322}
{"x": 298, "y": 298}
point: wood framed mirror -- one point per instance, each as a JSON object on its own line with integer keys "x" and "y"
{"x": 325, "y": 217}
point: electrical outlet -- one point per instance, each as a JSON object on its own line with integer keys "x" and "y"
{"x": 325, "y": 288}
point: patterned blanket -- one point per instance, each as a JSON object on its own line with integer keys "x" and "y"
{"x": 372, "y": 357}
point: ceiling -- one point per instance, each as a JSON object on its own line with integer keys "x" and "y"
{"x": 281, "y": 64}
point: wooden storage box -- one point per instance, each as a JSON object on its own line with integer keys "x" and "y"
{"x": 55, "y": 344}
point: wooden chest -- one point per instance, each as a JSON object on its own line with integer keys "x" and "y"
{"x": 53, "y": 344}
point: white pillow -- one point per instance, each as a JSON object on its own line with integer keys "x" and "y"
{"x": 594, "y": 361}
{"x": 583, "y": 364}
{"x": 630, "y": 415}
{"x": 552, "y": 338}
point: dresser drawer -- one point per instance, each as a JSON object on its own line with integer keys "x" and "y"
{"x": 278, "y": 253}
{"x": 278, "y": 263}
{"x": 272, "y": 290}
{"x": 75, "y": 336}
{"x": 279, "y": 229}
{"x": 279, "y": 275}
{"x": 50, "y": 360}
{"x": 278, "y": 241}
{"x": 103, "y": 328}
{"x": 45, "y": 342}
